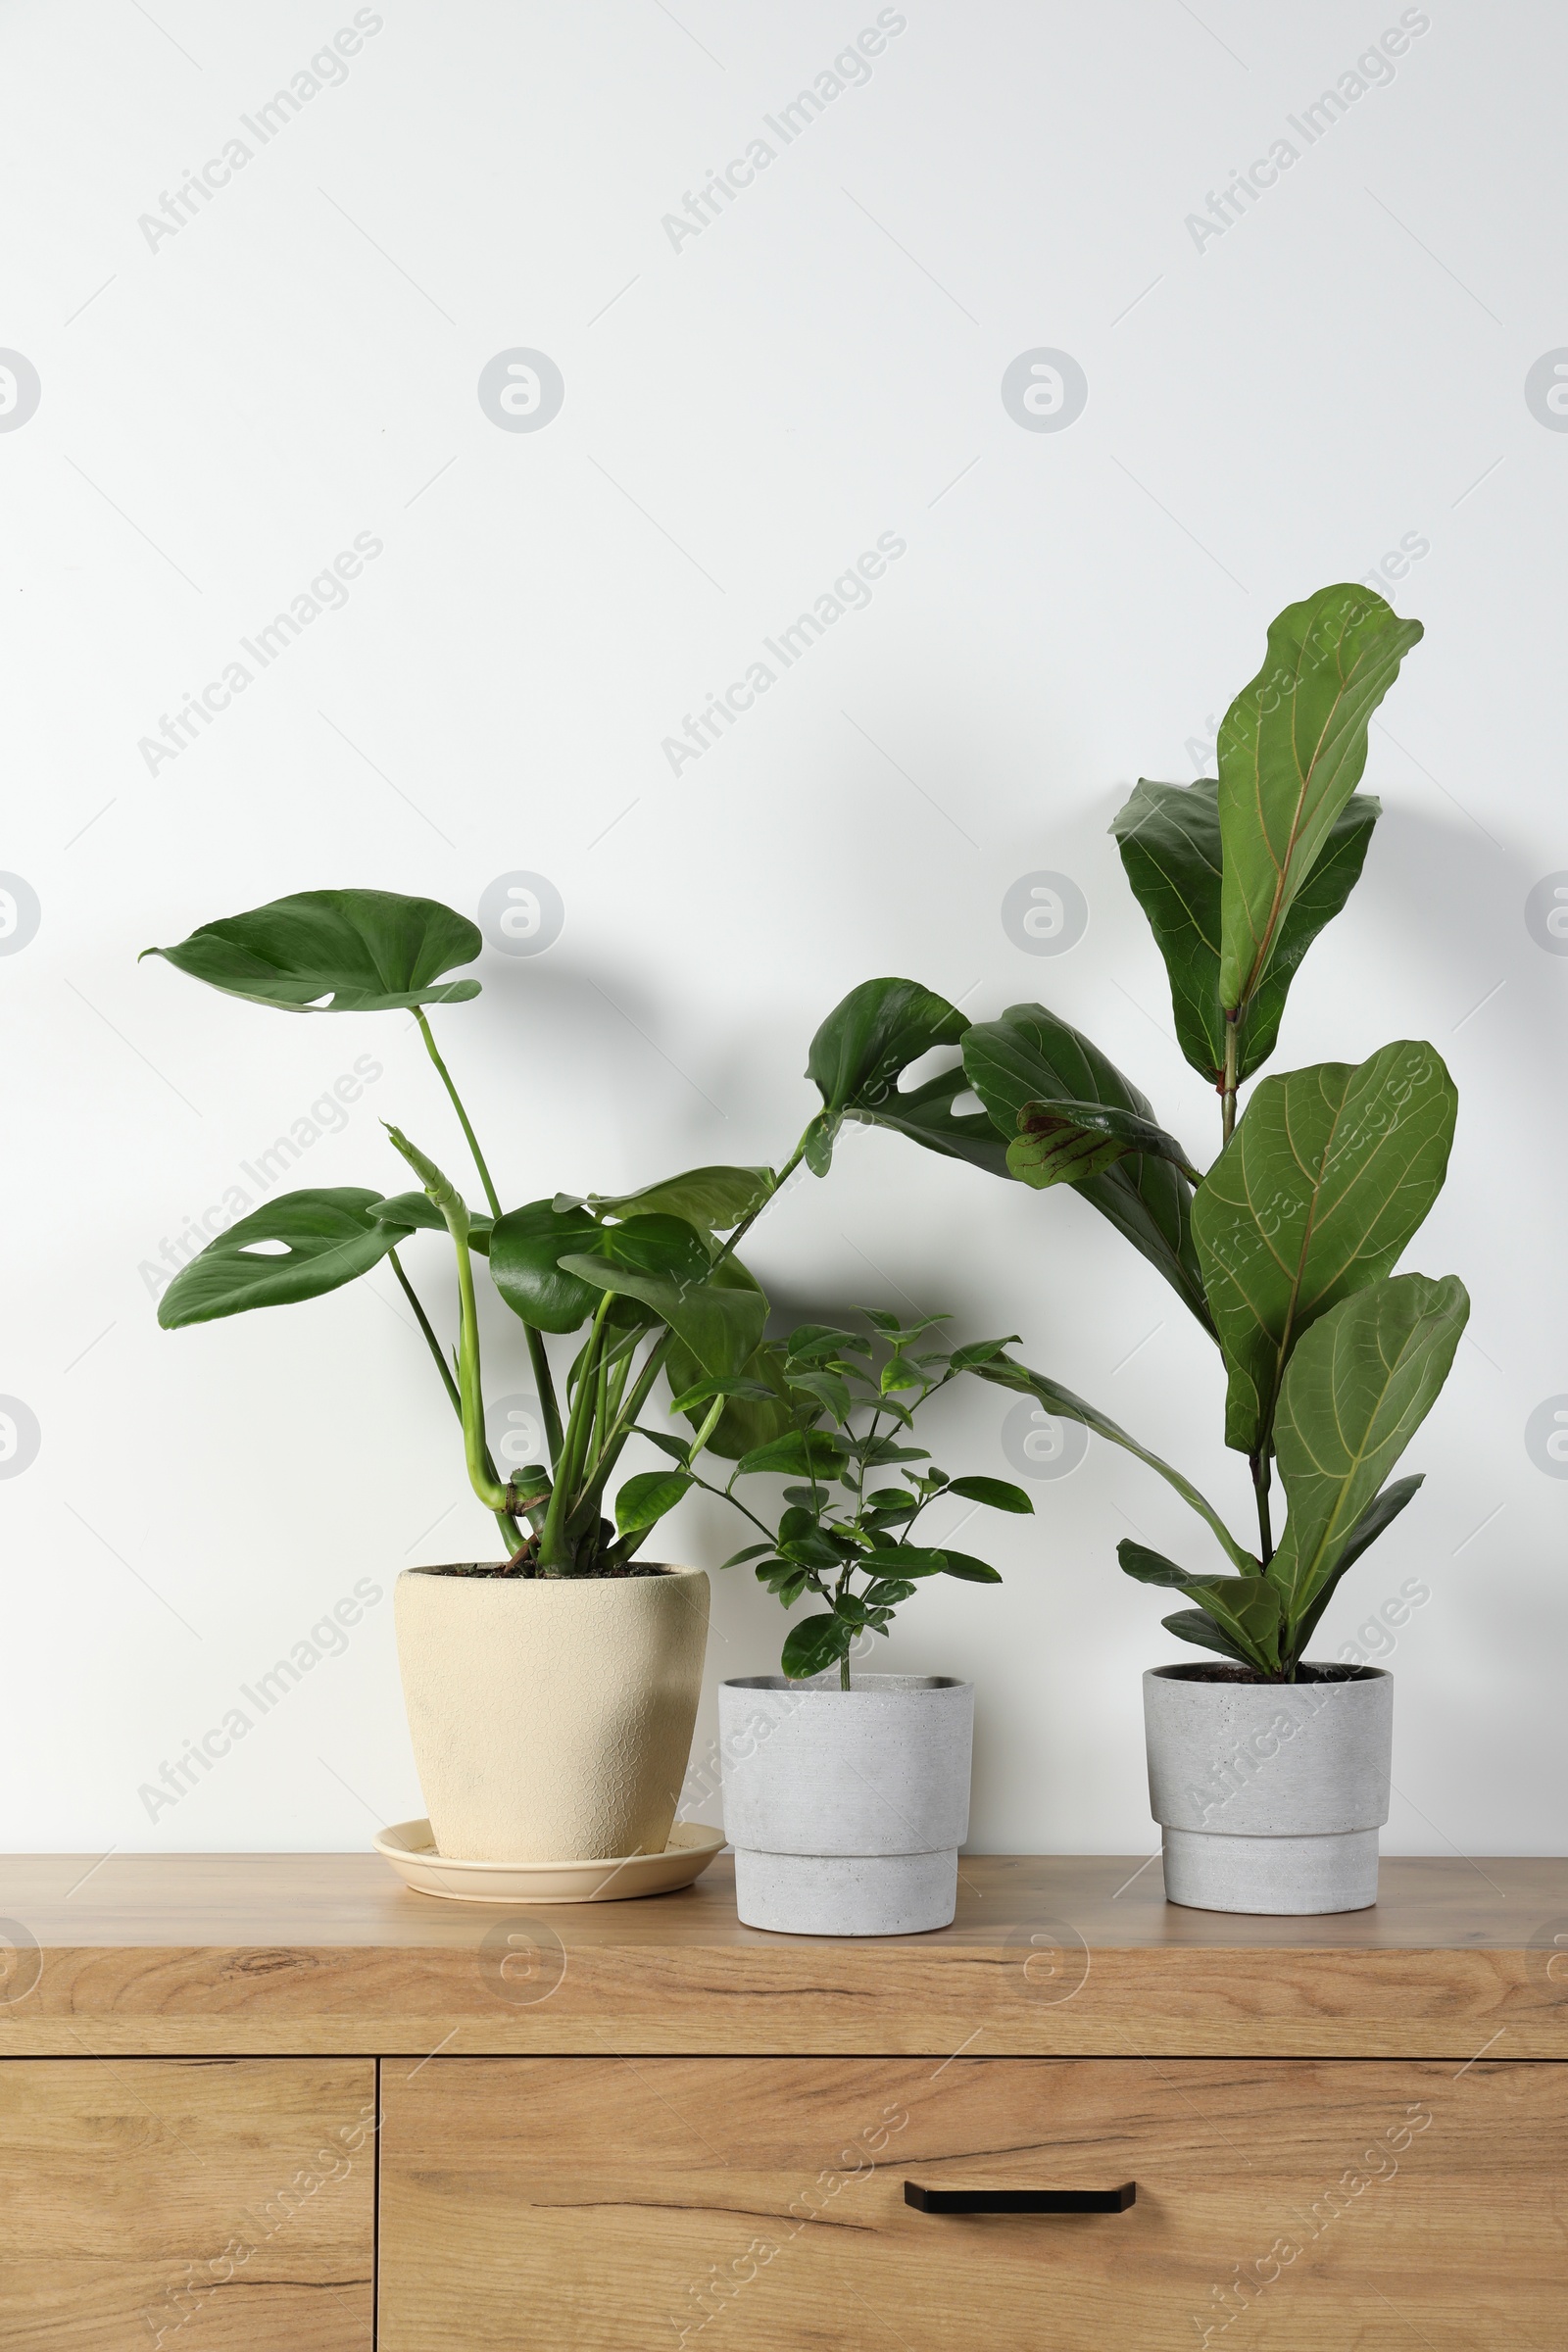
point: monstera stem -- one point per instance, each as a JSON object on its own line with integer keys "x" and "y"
{"x": 539, "y": 1361}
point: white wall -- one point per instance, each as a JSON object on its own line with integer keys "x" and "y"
{"x": 224, "y": 407}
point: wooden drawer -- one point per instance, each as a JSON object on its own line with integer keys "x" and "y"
{"x": 217, "y": 2205}
{"x": 620, "y": 2205}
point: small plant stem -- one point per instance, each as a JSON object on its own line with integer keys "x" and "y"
{"x": 1227, "y": 1092}
{"x": 510, "y": 1533}
{"x": 539, "y": 1361}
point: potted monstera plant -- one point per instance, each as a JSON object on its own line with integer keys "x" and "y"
{"x": 1268, "y": 1771}
{"x": 550, "y": 1691}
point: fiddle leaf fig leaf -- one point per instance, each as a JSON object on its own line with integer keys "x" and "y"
{"x": 299, "y": 1246}
{"x": 1063, "y": 1405}
{"x": 1245, "y": 1610}
{"x": 1066, "y": 1142}
{"x": 1329, "y": 1174}
{"x": 526, "y": 1248}
{"x": 1170, "y": 846}
{"x": 1198, "y": 1627}
{"x": 1291, "y": 750}
{"x": 1029, "y": 1056}
{"x": 1355, "y": 1394}
{"x": 334, "y": 951}
{"x": 714, "y": 1199}
{"x": 1379, "y": 1514}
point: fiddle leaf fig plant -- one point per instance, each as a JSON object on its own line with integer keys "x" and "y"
{"x": 1285, "y": 1249}
{"x": 642, "y": 1279}
{"x": 843, "y": 1536}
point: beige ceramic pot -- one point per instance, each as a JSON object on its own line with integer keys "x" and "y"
{"x": 550, "y": 1716}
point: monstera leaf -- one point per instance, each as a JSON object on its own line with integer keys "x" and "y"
{"x": 857, "y": 1054}
{"x": 747, "y": 1420}
{"x": 317, "y": 1242}
{"x": 334, "y": 951}
{"x": 1355, "y": 1394}
{"x": 663, "y": 1263}
{"x": 1170, "y": 846}
{"x": 715, "y": 1199}
{"x": 1065, "y": 1143}
{"x": 526, "y": 1248}
{"x": 1291, "y": 750}
{"x": 1031, "y": 1058}
{"x": 1328, "y": 1175}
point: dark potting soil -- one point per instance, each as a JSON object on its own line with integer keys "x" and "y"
{"x": 528, "y": 1568}
{"x": 1220, "y": 1673}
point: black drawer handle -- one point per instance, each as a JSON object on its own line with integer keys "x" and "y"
{"x": 1020, "y": 2200}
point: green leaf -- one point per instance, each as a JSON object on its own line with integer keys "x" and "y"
{"x": 735, "y": 1385}
{"x": 663, "y": 1263}
{"x": 674, "y": 1446}
{"x": 364, "y": 951}
{"x": 1329, "y": 1173}
{"x": 1170, "y": 847}
{"x": 416, "y": 1210}
{"x": 925, "y": 1114}
{"x": 826, "y": 1388}
{"x": 888, "y": 1592}
{"x": 737, "y": 1560}
{"x": 527, "y": 1249}
{"x": 814, "y": 1645}
{"x": 969, "y": 1570}
{"x": 1198, "y": 1625}
{"x": 1004, "y": 1373}
{"x": 1379, "y": 1514}
{"x": 980, "y": 1352}
{"x": 714, "y": 1199}
{"x": 328, "y": 1238}
{"x": 899, "y": 1373}
{"x": 866, "y": 1041}
{"x": 1150, "y": 1567}
{"x": 644, "y": 1498}
{"x": 903, "y": 1561}
{"x": 1029, "y": 1056}
{"x": 999, "y": 1493}
{"x": 1290, "y": 752}
{"x": 1066, "y": 1142}
{"x": 798, "y": 1455}
{"x": 1355, "y": 1392}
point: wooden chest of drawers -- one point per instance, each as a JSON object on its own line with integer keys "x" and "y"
{"x": 279, "y": 2102}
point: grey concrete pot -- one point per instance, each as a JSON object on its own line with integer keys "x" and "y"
{"x": 1270, "y": 1794}
{"x": 846, "y": 1808}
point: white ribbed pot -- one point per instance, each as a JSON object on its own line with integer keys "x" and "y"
{"x": 1270, "y": 1794}
{"x": 846, "y": 1808}
{"x": 551, "y": 1716}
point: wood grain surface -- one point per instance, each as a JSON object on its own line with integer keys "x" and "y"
{"x": 224, "y": 2206}
{"x": 619, "y": 2205}
{"x": 1057, "y": 1956}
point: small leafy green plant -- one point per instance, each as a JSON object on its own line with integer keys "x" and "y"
{"x": 1284, "y": 1250}
{"x": 842, "y": 1538}
{"x": 642, "y": 1279}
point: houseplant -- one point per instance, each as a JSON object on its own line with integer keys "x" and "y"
{"x": 551, "y": 1693}
{"x": 847, "y": 1795}
{"x": 1269, "y": 1773}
